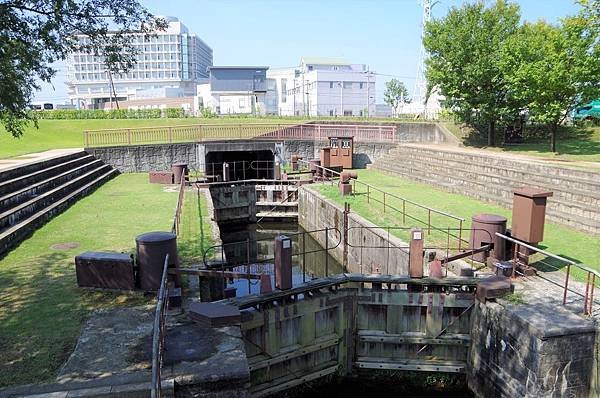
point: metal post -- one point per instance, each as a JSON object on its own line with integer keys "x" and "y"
{"x": 304, "y": 256}
{"x": 566, "y": 283}
{"x": 384, "y": 201}
{"x": 592, "y": 292}
{"x": 240, "y": 130}
{"x": 403, "y": 212}
{"x": 428, "y": 221}
{"x": 587, "y": 288}
{"x": 368, "y": 190}
{"x": 170, "y": 135}
{"x": 129, "y": 136}
{"x": 326, "y": 251}
{"x": 514, "y": 260}
{"x": 460, "y": 235}
{"x": 248, "y": 264}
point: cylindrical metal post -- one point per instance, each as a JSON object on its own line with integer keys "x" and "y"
{"x": 460, "y": 235}
{"x": 304, "y": 256}
{"x": 428, "y": 221}
{"x": 384, "y": 201}
{"x": 248, "y": 264}
{"x": 566, "y": 284}
{"x": 403, "y": 212}
{"x": 326, "y": 251}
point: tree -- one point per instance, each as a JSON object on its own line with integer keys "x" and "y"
{"x": 552, "y": 68}
{"x": 395, "y": 93}
{"x": 37, "y": 33}
{"x": 464, "y": 51}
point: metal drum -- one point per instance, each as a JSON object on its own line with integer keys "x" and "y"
{"x": 152, "y": 247}
{"x": 484, "y": 228}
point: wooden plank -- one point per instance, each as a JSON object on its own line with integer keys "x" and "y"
{"x": 422, "y": 365}
{"x": 403, "y": 298}
{"x": 374, "y": 336}
{"x": 330, "y": 341}
{"x": 293, "y": 381}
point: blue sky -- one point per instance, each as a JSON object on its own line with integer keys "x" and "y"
{"x": 384, "y": 34}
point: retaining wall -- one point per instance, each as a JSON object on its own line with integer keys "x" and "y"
{"x": 379, "y": 251}
{"x": 530, "y": 351}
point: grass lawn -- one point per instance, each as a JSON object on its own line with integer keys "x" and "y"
{"x": 195, "y": 231}
{"x": 41, "y": 308}
{"x": 573, "y": 144}
{"x": 563, "y": 241}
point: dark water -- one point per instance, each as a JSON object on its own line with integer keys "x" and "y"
{"x": 256, "y": 242}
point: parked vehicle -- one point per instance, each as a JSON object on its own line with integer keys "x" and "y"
{"x": 589, "y": 111}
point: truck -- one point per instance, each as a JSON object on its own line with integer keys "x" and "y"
{"x": 590, "y": 111}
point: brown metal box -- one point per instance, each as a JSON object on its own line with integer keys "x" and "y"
{"x": 105, "y": 270}
{"x": 342, "y": 149}
{"x": 529, "y": 212}
{"x": 345, "y": 189}
{"x": 161, "y": 177}
{"x": 326, "y": 157}
{"x": 283, "y": 262}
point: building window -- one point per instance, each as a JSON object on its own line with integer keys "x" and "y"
{"x": 360, "y": 86}
{"x": 242, "y": 102}
{"x": 331, "y": 112}
{"x": 345, "y": 143}
{"x": 283, "y": 90}
{"x": 347, "y": 85}
{"x": 330, "y": 84}
{"x": 347, "y": 113}
{"x": 333, "y": 143}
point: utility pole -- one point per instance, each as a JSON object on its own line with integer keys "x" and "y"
{"x": 341, "y": 98}
{"x": 368, "y": 92}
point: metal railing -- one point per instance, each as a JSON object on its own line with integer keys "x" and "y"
{"x": 210, "y": 132}
{"x": 158, "y": 332}
{"x": 249, "y": 261}
{"x": 179, "y": 209}
{"x": 389, "y": 201}
{"x": 544, "y": 261}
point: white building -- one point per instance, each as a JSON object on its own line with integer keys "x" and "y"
{"x": 169, "y": 65}
{"x": 234, "y": 90}
{"x": 321, "y": 87}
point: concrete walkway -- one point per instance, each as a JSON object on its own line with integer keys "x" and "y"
{"x": 11, "y": 163}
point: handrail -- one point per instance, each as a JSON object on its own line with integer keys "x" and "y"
{"x": 179, "y": 209}
{"x": 592, "y": 274}
{"x": 208, "y": 132}
{"x": 158, "y": 332}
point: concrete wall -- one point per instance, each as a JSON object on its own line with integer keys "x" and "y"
{"x": 379, "y": 251}
{"x": 431, "y": 133}
{"x": 143, "y": 158}
{"x": 529, "y": 351}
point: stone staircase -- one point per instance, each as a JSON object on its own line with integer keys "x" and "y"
{"x": 493, "y": 177}
{"x": 33, "y": 193}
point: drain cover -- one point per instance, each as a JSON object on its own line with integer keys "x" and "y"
{"x": 64, "y": 246}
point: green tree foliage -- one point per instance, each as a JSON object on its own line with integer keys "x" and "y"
{"x": 36, "y": 33}
{"x": 464, "y": 60}
{"x": 395, "y": 92}
{"x": 551, "y": 69}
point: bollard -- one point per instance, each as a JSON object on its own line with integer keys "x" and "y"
{"x": 265, "y": 284}
{"x": 277, "y": 171}
{"x": 283, "y": 262}
{"x": 345, "y": 189}
{"x": 415, "y": 260}
{"x": 225, "y": 172}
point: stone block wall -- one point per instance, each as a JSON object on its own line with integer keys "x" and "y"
{"x": 533, "y": 351}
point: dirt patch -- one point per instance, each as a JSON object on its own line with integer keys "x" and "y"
{"x": 65, "y": 246}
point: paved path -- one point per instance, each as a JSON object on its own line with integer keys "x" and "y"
{"x": 35, "y": 157}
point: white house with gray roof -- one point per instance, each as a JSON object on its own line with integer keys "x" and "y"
{"x": 321, "y": 87}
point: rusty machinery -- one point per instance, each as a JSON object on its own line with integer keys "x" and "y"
{"x": 344, "y": 185}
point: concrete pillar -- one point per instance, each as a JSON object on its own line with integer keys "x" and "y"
{"x": 415, "y": 260}
{"x": 283, "y": 262}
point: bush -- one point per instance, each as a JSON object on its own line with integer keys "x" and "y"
{"x": 174, "y": 113}
{"x": 66, "y": 114}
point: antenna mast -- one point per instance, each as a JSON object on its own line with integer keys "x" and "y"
{"x": 420, "y": 90}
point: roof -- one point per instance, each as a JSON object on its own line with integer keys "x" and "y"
{"x": 238, "y": 67}
{"x": 324, "y": 61}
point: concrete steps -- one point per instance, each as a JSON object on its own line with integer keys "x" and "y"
{"x": 492, "y": 178}
{"x": 44, "y": 189}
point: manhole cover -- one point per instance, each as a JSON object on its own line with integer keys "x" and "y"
{"x": 65, "y": 246}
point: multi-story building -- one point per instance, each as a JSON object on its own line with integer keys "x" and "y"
{"x": 234, "y": 90}
{"x": 321, "y": 87}
{"x": 169, "y": 65}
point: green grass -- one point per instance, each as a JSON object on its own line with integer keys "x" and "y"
{"x": 573, "y": 143}
{"x": 195, "y": 231}
{"x": 560, "y": 240}
{"x": 41, "y": 308}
